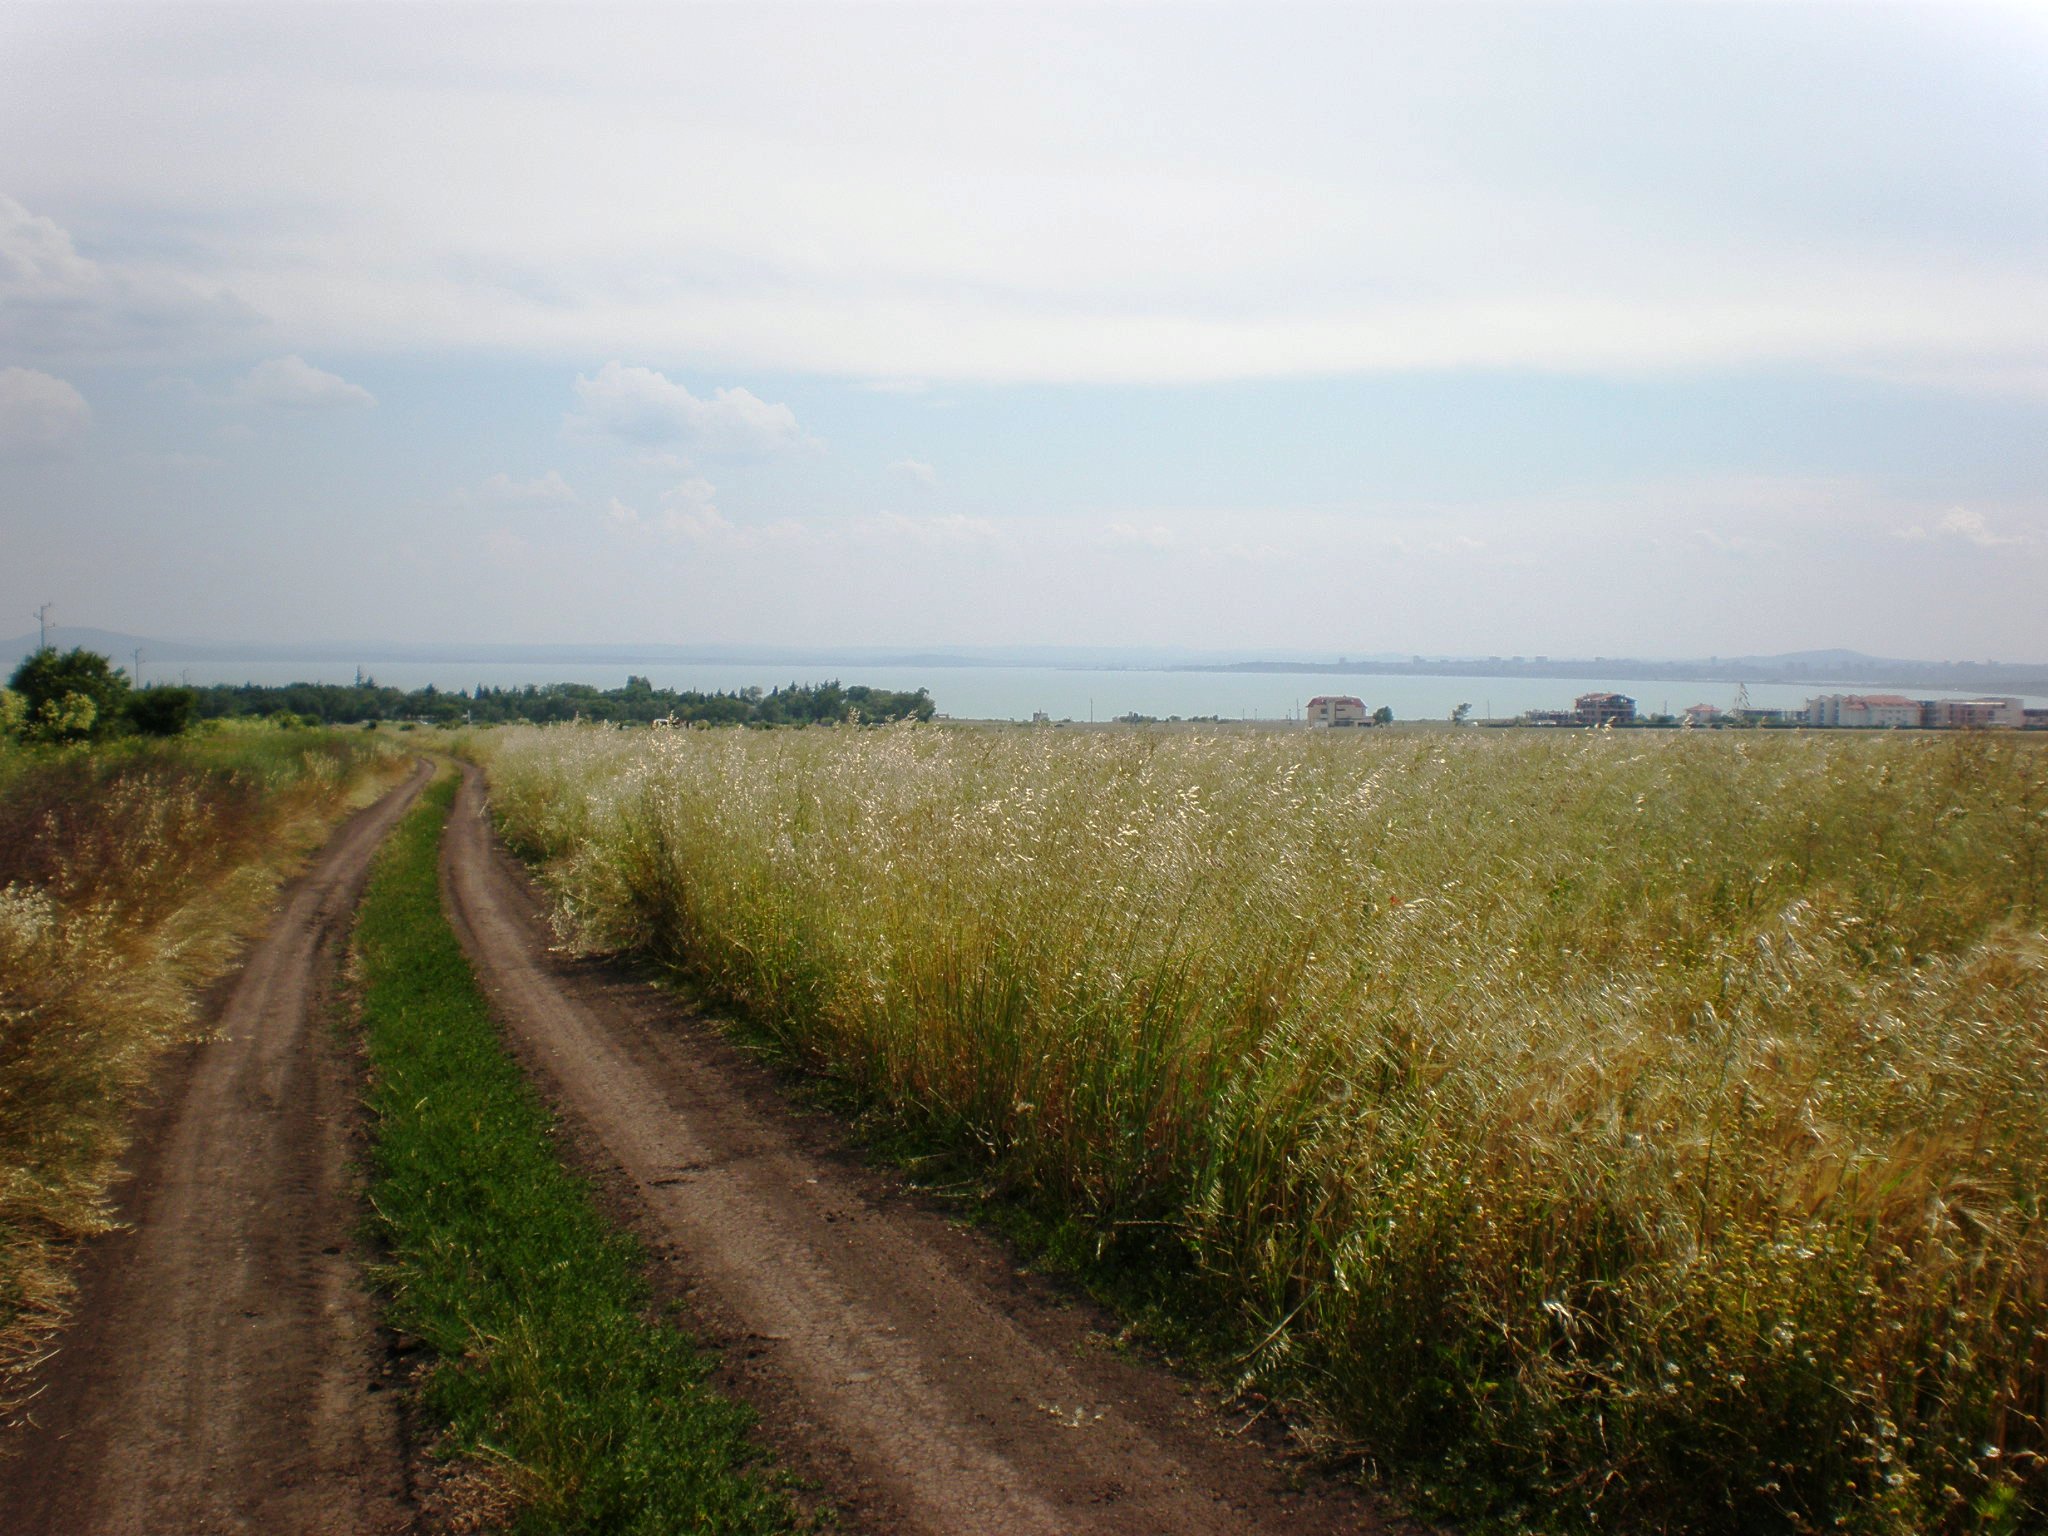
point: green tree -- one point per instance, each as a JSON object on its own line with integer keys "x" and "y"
{"x": 163, "y": 711}
{"x": 1384, "y": 715}
{"x": 13, "y": 711}
{"x": 72, "y": 694}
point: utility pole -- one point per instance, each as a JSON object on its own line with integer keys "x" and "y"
{"x": 138, "y": 666}
{"x": 43, "y": 618}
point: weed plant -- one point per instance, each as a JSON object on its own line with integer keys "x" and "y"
{"x": 1627, "y": 1130}
{"x": 586, "y": 1414}
{"x": 128, "y": 875}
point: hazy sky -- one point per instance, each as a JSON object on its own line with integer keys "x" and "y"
{"x": 1638, "y": 329}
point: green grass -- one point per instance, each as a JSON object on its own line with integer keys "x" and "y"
{"x": 1618, "y": 1131}
{"x": 590, "y": 1412}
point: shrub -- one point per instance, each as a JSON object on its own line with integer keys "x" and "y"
{"x": 70, "y": 695}
{"x": 71, "y": 717}
{"x": 163, "y": 711}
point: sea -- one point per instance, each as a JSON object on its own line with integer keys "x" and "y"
{"x": 1061, "y": 693}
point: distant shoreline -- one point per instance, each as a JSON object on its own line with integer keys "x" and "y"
{"x": 1953, "y": 676}
{"x": 706, "y": 665}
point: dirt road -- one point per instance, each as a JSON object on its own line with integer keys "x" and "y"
{"x": 223, "y": 1374}
{"x": 898, "y": 1359}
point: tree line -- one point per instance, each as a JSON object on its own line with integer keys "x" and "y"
{"x": 80, "y": 695}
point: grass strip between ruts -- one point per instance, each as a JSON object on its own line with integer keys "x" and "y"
{"x": 551, "y": 1368}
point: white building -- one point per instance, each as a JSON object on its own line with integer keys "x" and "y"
{"x": 1337, "y": 709}
{"x": 1975, "y": 714}
{"x": 1863, "y": 710}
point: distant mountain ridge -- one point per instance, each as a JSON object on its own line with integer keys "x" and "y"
{"x": 1820, "y": 668}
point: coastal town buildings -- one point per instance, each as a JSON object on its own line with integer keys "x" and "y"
{"x": 1974, "y": 714}
{"x": 1603, "y": 709}
{"x": 1895, "y": 711}
{"x": 1831, "y": 711}
{"x": 1862, "y": 710}
{"x": 1587, "y": 709}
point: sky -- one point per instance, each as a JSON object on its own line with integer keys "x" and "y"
{"x": 1644, "y": 329}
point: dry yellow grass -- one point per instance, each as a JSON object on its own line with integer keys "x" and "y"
{"x": 128, "y": 879}
{"x": 1650, "y": 1127}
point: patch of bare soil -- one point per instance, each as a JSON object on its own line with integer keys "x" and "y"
{"x": 899, "y": 1360}
{"x": 224, "y": 1372}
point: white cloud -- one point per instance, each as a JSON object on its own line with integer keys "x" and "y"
{"x": 641, "y": 406}
{"x": 1142, "y": 536}
{"x": 293, "y": 384}
{"x": 501, "y": 490}
{"x": 38, "y": 260}
{"x": 1967, "y": 526}
{"x": 951, "y": 529}
{"x": 40, "y": 414}
{"x": 1345, "y": 188}
{"x": 690, "y": 511}
{"x": 661, "y": 459}
{"x": 1723, "y": 543}
{"x": 917, "y": 470}
{"x": 57, "y": 303}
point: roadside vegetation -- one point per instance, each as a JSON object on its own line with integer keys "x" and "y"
{"x": 1607, "y": 1131}
{"x": 78, "y": 695}
{"x": 130, "y": 872}
{"x": 585, "y": 1413}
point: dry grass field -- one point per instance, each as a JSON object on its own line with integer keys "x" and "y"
{"x": 129, "y": 875}
{"x": 1645, "y": 1130}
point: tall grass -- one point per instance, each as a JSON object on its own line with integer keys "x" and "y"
{"x": 1648, "y": 1131}
{"x": 127, "y": 878}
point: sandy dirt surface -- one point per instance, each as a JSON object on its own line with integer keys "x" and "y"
{"x": 898, "y": 1359}
{"x": 224, "y": 1371}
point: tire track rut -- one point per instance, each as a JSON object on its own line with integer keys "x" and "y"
{"x": 900, "y": 1359}
{"x": 222, "y": 1371}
